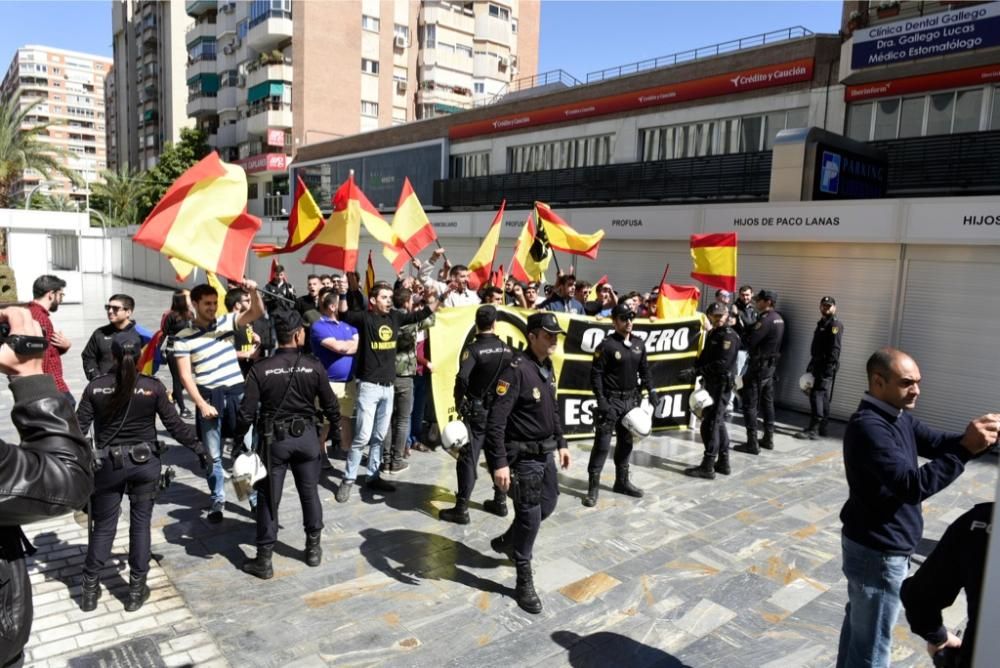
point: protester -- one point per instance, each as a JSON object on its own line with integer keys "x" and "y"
{"x": 174, "y": 321}
{"x": 456, "y": 291}
{"x": 335, "y": 343}
{"x": 48, "y": 292}
{"x": 279, "y": 292}
{"x": 563, "y": 298}
{"x": 96, "y": 356}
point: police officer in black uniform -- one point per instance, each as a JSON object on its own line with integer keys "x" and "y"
{"x": 285, "y": 388}
{"x": 523, "y": 434}
{"x": 717, "y": 367}
{"x": 482, "y": 361}
{"x": 123, "y": 406}
{"x": 764, "y": 345}
{"x": 823, "y": 364}
{"x": 618, "y": 374}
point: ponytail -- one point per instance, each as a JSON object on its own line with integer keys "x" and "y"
{"x": 126, "y": 375}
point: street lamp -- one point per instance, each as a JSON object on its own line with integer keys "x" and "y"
{"x": 27, "y": 200}
{"x": 104, "y": 237}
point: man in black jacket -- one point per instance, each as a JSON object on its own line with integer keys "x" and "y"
{"x": 824, "y": 360}
{"x": 96, "y": 355}
{"x": 47, "y": 475}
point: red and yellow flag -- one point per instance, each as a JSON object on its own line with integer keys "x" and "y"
{"x": 202, "y": 220}
{"x": 148, "y": 359}
{"x": 714, "y": 259}
{"x": 220, "y": 290}
{"x": 498, "y": 278}
{"x": 563, "y": 237}
{"x": 412, "y": 230}
{"x": 273, "y": 273}
{"x": 369, "y": 276}
{"x": 481, "y": 263}
{"x": 677, "y": 301}
{"x": 531, "y": 254}
{"x": 304, "y": 223}
{"x": 337, "y": 243}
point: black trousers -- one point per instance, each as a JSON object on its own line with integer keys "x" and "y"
{"x": 714, "y": 434}
{"x": 467, "y": 466}
{"x": 139, "y": 481}
{"x": 302, "y": 455}
{"x": 758, "y": 394}
{"x": 820, "y": 396}
{"x": 612, "y": 423}
{"x": 534, "y": 491}
{"x": 178, "y": 387}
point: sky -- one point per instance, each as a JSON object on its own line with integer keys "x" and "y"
{"x": 576, "y": 36}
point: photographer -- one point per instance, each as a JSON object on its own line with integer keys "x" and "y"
{"x": 47, "y": 475}
{"x": 123, "y": 406}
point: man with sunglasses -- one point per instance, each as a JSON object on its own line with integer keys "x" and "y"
{"x": 96, "y": 355}
{"x": 617, "y": 376}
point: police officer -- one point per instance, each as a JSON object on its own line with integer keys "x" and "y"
{"x": 717, "y": 367}
{"x": 764, "y": 346}
{"x": 123, "y": 406}
{"x": 618, "y": 373}
{"x": 482, "y": 361}
{"x": 285, "y": 388}
{"x": 523, "y": 433}
{"x": 823, "y": 364}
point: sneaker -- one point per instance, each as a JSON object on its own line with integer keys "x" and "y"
{"x": 187, "y": 414}
{"x": 379, "y": 485}
{"x": 344, "y": 491}
{"x": 396, "y": 467}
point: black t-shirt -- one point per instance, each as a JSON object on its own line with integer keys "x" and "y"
{"x": 377, "y": 336}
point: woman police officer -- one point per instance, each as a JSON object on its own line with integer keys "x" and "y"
{"x": 123, "y": 406}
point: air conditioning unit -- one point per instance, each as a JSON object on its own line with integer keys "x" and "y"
{"x": 400, "y": 86}
{"x": 399, "y": 42}
{"x": 502, "y": 63}
{"x": 242, "y": 81}
{"x": 228, "y": 49}
{"x": 238, "y": 42}
{"x": 513, "y": 61}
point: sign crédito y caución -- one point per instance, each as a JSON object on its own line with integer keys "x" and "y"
{"x": 671, "y": 346}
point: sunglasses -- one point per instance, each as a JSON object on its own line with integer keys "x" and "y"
{"x": 113, "y": 308}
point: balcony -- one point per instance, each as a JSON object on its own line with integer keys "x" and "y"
{"x": 268, "y": 115}
{"x": 943, "y": 165}
{"x": 270, "y": 30}
{"x": 226, "y": 136}
{"x": 272, "y": 72}
{"x": 196, "y": 8}
{"x": 450, "y": 16}
{"x": 228, "y": 99}
{"x": 202, "y": 105}
{"x": 201, "y": 30}
{"x": 200, "y": 67}
{"x": 734, "y": 177}
{"x": 149, "y": 34}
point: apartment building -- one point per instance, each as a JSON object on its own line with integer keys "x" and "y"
{"x": 69, "y": 89}
{"x": 148, "y": 87}
{"x": 267, "y": 76}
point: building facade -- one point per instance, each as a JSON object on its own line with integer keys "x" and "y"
{"x": 148, "y": 90}
{"x": 68, "y": 88}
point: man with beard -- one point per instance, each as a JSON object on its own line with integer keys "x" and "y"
{"x": 48, "y": 293}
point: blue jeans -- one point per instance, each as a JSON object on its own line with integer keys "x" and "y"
{"x": 226, "y": 401}
{"x": 873, "y": 582}
{"x": 420, "y": 385}
{"x": 371, "y": 425}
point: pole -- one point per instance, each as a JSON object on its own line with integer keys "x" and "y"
{"x": 275, "y": 295}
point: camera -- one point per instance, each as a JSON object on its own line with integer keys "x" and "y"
{"x": 22, "y": 344}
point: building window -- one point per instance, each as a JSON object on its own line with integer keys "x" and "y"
{"x": 369, "y": 108}
{"x": 401, "y": 31}
{"x": 513, "y": 26}
{"x": 947, "y": 112}
{"x": 499, "y": 12}
{"x": 430, "y": 36}
{"x": 369, "y": 66}
{"x": 262, "y": 10}
{"x": 252, "y": 190}
{"x": 369, "y": 23}
{"x": 568, "y": 153}
{"x": 995, "y": 115}
{"x": 469, "y": 165}
{"x": 479, "y": 88}
{"x": 464, "y": 50}
{"x": 718, "y": 137}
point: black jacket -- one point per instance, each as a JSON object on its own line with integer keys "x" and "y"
{"x": 824, "y": 352}
{"x": 47, "y": 475}
{"x": 620, "y": 367}
{"x": 96, "y": 355}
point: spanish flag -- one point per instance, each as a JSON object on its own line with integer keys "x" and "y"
{"x": 214, "y": 281}
{"x": 337, "y": 243}
{"x": 412, "y": 231}
{"x": 563, "y": 237}
{"x": 481, "y": 264}
{"x": 714, "y": 259}
{"x": 498, "y": 278}
{"x": 304, "y": 223}
{"x": 149, "y": 358}
{"x": 531, "y": 254}
{"x": 677, "y": 301}
{"x": 202, "y": 220}
{"x": 369, "y": 276}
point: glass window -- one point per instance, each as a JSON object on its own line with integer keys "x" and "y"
{"x": 499, "y": 12}
{"x": 464, "y": 50}
{"x": 968, "y": 106}
{"x": 750, "y": 132}
{"x": 774, "y": 122}
{"x": 369, "y": 108}
{"x": 369, "y": 23}
{"x": 939, "y": 113}
{"x": 369, "y": 66}
{"x": 401, "y": 31}
{"x": 430, "y": 36}
{"x": 479, "y": 88}
{"x": 995, "y": 115}
{"x": 886, "y": 118}
{"x": 797, "y": 118}
{"x": 911, "y": 117}
{"x": 859, "y": 121}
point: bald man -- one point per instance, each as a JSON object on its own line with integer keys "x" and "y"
{"x": 882, "y": 517}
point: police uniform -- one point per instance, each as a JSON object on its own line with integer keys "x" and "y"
{"x": 482, "y": 361}
{"x": 619, "y": 371}
{"x": 717, "y": 367}
{"x": 764, "y": 346}
{"x": 285, "y": 388}
{"x": 523, "y": 431}
{"x": 128, "y": 460}
{"x": 823, "y": 364}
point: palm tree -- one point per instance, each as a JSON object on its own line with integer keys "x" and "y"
{"x": 120, "y": 194}
{"x": 21, "y": 148}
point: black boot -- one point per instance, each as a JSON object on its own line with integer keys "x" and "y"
{"x": 314, "y": 553}
{"x": 459, "y": 514}
{"x": 502, "y": 544}
{"x": 527, "y": 597}
{"x": 622, "y": 484}
{"x": 767, "y": 443}
{"x": 750, "y": 447}
{"x": 822, "y": 428}
{"x": 138, "y": 592}
{"x": 593, "y": 488}
{"x": 722, "y": 464}
{"x": 260, "y": 566}
{"x": 704, "y": 470}
{"x": 497, "y": 505}
{"x": 91, "y": 592}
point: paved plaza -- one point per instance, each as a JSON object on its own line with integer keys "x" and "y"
{"x": 740, "y": 571}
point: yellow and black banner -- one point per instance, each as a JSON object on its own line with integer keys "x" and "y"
{"x": 671, "y": 346}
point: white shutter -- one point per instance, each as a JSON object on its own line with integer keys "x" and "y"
{"x": 634, "y": 265}
{"x": 949, "y": 324}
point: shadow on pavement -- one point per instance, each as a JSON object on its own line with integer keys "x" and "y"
{"x": 613, "y": 649}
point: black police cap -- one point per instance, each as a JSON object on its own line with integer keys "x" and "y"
{"x": 622, "y": 312}
{"x": 828, "y": 301}
{"x": 768, "y": 295}
{"x": 717, "y": 309}
{"x": 546, "y": 321}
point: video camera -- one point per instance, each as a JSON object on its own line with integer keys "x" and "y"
{"x": 22, "y": 344}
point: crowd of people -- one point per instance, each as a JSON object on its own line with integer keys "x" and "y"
{"x": 278, "y": 376}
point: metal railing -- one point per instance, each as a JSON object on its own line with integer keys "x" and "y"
{"x": 713, "y": 50}
{"x": 941, "y": 165}
{"x": 525, "y": 83}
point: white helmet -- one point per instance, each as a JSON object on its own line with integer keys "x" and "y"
{"x": 639, "y": 421}
{"x": 738, "y": 384}
{"x": 455, "y": 435}
{"x": 699, "y": 401}
{"x": 247, "y": 469}
{"x": 806, "y": 382}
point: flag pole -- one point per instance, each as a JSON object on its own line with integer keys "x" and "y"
{"x": 275, "y": 295}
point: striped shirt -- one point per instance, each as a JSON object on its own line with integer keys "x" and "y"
{"x": 213, "y": 357}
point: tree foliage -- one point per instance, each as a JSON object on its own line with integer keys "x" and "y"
{"x": 174, "y": 161}
{"x": 119, "y": 196}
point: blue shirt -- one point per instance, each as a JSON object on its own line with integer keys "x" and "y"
{"x": 339, "y": 368}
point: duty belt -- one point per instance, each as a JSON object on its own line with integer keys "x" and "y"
{"x": 292, "y": 426}
{"x": 138, "y": 452}
{"x": 533, "y": 447}
{"x": 613, "y": 394}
